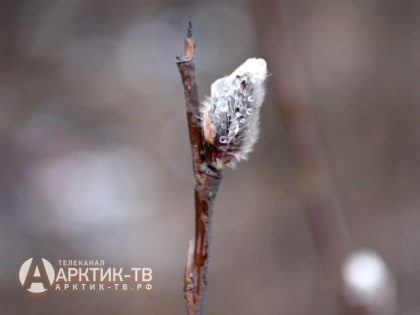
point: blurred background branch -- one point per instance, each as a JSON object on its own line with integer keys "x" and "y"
{"x": 320, "y": 202}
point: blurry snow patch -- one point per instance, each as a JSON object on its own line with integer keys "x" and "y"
{"x": 369, "y": 283}
{"x": 73, "y": 185}
{"x": 88, "y": 188}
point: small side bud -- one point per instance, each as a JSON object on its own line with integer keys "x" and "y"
{"x": 207, "y": 128}
{"x": 230, "y": 116}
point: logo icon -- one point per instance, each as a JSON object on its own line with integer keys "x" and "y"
{"x": 36, "y": 276}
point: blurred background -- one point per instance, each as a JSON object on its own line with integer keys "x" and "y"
{"x": 95, "y": 159}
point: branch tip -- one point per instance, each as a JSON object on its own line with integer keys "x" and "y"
{"x": 189, "y": 29}
{"x": 189, "y": 44}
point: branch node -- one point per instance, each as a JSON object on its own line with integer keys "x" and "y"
{"x": 209, "y": 170}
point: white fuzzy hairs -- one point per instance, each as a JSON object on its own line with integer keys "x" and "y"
{"x": 230, "y": 116}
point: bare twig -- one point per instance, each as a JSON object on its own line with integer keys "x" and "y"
{"x": 206, "y": 179}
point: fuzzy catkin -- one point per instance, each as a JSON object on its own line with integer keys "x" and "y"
{"x": 230, "y": 116}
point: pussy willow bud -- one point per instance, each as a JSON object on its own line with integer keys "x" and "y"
{"x": 230, "y": 116}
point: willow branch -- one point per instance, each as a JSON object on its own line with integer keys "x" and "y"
{"x": 206, "y": 183}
